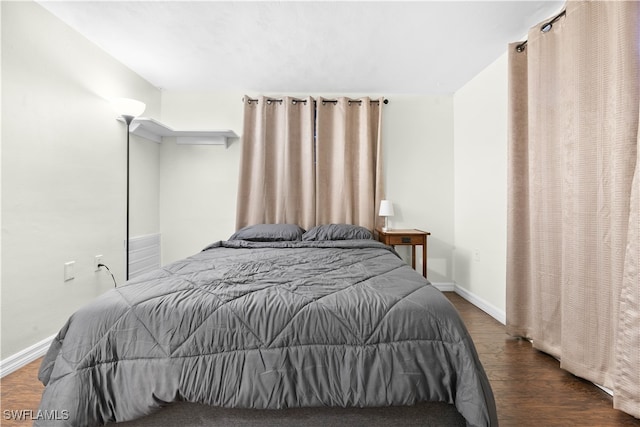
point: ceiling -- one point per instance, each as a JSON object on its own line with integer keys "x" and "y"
{"x": 382, "y": 47}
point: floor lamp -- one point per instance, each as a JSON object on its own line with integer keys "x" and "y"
{"x": 128, "y": 109}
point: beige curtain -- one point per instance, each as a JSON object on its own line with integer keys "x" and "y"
{"x": 277, "y": 178}
{"x": 349, "y": 161}
{"x": 572, "y": 267}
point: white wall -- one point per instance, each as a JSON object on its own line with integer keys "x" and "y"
{"x": 480, "y": 186}
{"x": 63, "y": 171}
{"x": 418, "y": 141}
{"x": 199, "y": 183}
{"x": 144, "y": 187}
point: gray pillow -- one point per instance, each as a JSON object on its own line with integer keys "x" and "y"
{"x": 337, "y": 232}
{"x": 269, "y": 233}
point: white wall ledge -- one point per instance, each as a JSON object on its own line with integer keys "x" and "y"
{"x": 154, "y": 130}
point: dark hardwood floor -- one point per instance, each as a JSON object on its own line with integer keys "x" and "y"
{"x": 529, "y": 386}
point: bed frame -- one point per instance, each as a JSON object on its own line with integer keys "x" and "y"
{"x": 436, "y": 414}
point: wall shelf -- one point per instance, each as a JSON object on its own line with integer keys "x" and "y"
{"x": 154, "y": 130}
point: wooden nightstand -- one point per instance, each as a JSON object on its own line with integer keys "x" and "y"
{"x": 407, "y": 237}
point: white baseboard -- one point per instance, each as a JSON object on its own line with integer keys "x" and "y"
{"x": 605, "y": 389}
{"x": 444, "y": 286}
{"x": 24, "y": 357}
{"x": 482, "y": 304}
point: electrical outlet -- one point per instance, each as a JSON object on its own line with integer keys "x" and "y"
{"x": 96, "y": 262}
{"x": 69, "y": 270}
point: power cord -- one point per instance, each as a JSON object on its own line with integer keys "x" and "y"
{"x": 115, "y": 285}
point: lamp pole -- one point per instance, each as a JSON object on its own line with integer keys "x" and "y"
{"x": 128, "y": 109}
{"x": 127, "y": 120}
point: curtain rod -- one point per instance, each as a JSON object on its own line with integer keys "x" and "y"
{"x": 331, "y": 101}
{"x": 544, "y": 28}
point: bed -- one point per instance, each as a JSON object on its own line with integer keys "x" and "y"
{"x": 273, "y": 318}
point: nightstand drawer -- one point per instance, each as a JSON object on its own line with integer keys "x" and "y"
{"x": 405, "y": 240}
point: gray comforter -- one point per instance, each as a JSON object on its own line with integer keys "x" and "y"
{"x": 266, "y": 325}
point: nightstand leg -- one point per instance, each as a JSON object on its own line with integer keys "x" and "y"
{"x": 424, "y": 260}
{"x": 413, "y": 256}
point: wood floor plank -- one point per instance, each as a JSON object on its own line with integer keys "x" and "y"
{"x": 20, "y": 393}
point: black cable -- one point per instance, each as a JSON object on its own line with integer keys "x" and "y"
{"x": 115, "y": 285}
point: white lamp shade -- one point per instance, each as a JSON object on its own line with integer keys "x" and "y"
{"x": 128, "y": 107}
{"x": 386, "y": 208}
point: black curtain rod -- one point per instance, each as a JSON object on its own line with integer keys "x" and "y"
{"x": 544, "y": 28}
{"x": 331, "y": 101}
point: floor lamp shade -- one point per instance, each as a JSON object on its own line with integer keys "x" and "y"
{"x": 128, "y": 109}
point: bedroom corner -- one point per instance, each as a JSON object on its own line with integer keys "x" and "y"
{"x": 480, "y": 129}
{"x": 198, "y": 183}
